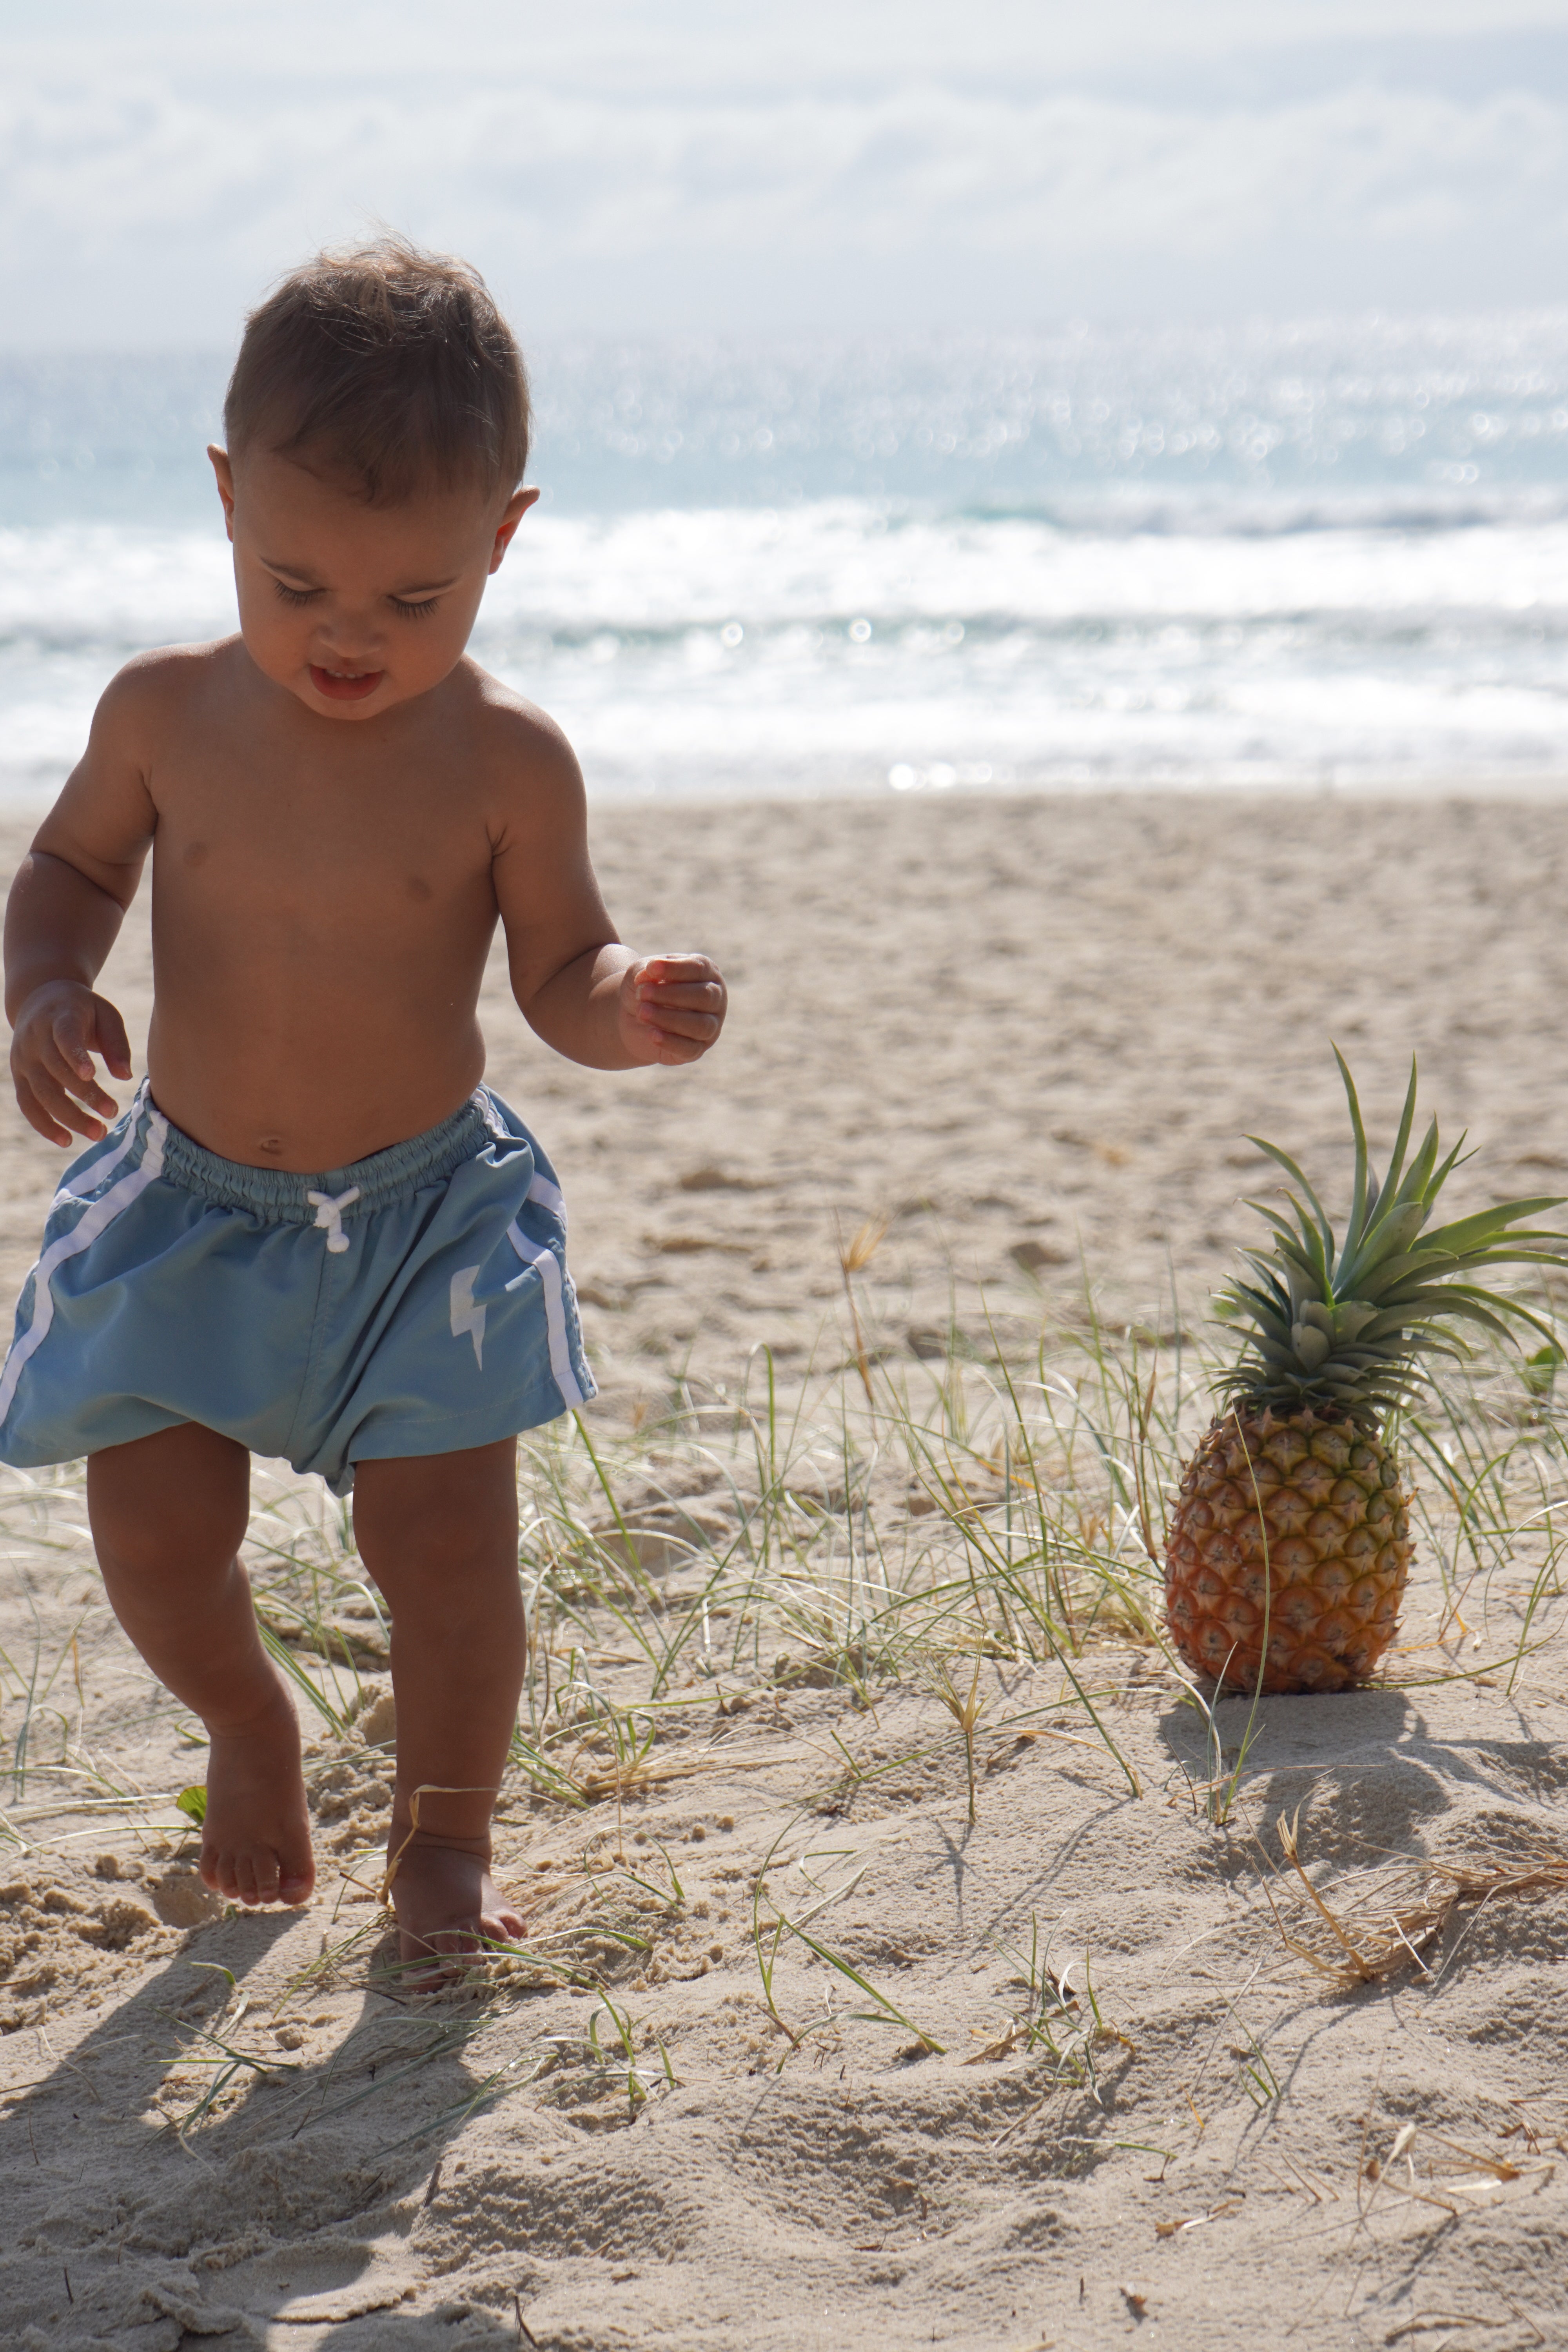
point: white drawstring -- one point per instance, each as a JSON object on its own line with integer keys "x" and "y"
{"x": 329, "y": 1215}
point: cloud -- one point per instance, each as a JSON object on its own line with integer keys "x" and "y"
{"x": 632, "y": 48}
{"x": 149, "y": 205}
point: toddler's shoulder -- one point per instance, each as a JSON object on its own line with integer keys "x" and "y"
{"x": 154, "y": 687}
{"x": 522, "y": 752}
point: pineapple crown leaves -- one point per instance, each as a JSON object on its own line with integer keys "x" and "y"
{"x": 1344, "y": 1323}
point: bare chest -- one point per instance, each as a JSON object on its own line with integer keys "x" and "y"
{"x": 375, "y": 854}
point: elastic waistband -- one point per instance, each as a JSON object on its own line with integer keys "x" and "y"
{"x": 279, "y": 1197}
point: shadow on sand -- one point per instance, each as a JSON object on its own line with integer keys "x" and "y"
{"x": 1368, "y": 1766}
{"x": 297, "y": 2216}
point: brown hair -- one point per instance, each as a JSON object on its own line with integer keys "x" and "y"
{"x": 388, "y": 368}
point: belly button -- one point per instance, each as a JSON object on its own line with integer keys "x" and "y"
{"x": 273, "y": 1143}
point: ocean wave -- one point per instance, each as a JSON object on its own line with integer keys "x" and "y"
{"x": 1323, "y": 549}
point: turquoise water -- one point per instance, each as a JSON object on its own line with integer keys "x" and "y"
{"x": 1319, "y": 554}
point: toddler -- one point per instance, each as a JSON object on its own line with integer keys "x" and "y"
{"x": 316, "y": 1232}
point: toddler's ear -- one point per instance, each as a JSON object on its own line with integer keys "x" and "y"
{"x": 516, "y": 507}
{"x": 225, "y": 472}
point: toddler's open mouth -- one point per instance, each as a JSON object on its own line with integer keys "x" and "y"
{"x": 345, "y": 686}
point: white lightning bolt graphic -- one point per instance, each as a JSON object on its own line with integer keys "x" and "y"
{"x": 465, "y": 1315}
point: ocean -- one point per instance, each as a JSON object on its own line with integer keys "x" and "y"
{"x": 1329, "y": 553}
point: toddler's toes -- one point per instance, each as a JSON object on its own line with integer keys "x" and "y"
{"x": 449, "y": 1911}
{"x": 447, "y": 1953}
{"x": 274, "y": 1877}
{"x": 257, "y": 1816}
{"x": 431, "y": 1961}
{"x": 217, "y": 1868}
{"x": 257, "y": 1876}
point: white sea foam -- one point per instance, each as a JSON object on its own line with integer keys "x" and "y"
{"x": 1305, "y": 555}
{"x": 831, "y": 647}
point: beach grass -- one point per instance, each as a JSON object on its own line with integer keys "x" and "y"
{"x": 985, "y": 1525}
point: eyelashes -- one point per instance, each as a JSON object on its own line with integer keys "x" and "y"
{"x": 417, "y": 612}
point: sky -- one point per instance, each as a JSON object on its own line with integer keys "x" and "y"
{"x": 701, "y": 166}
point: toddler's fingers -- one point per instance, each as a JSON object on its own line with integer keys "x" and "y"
{"x": 661, "y": 969}
{"x": 672, "y": 1023}
{"x": 65, "y": 1043}
{"x": 67, "y": 1060}
{"x": 702, "y": 996}
{"x": 53, "y": 1114}
{"x": 38, "y": 1119}
{"x": 110, "y": 1037}
{"x": 56, "y": 1103}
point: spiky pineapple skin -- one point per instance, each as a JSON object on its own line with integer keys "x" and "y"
{"x": 1307, "y": 1514}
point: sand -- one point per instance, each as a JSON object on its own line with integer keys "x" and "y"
{"x": 1031, "y": 1034}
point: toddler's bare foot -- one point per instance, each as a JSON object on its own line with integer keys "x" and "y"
{"x": 255, "y": 1839}
{"x": 447, "y": 1905}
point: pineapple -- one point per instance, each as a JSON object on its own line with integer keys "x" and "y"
{"x": 1291, "y": 1544}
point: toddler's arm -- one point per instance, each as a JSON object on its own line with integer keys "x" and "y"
{"x": 63, "y": 916}
{"x": 584, "y": 993}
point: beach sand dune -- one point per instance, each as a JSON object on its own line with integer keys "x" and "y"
{"x": 801, "y": 2055}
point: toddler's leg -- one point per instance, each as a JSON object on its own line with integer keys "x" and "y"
{"x": 438, "y": 1533}
{"x": 168, "y": 1513}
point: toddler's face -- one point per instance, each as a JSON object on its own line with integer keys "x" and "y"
{"x": 356, "y": 608}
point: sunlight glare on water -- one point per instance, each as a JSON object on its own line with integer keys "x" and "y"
{"x": 1312, "y": 553}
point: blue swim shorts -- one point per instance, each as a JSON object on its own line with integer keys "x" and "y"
{"x": 416, "y": 1303}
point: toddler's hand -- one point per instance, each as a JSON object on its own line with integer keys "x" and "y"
{"x": 671, "y": 1008}
{"x": 58, "y": 1030}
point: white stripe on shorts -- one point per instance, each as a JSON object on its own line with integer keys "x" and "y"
{"x": 105, "y": 1167}
{"x": 549, "y": 1196}
{"x": 544, "y": 1257}
{"x": 99, "y": 1215}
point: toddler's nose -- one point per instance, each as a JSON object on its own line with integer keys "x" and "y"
{"x": 345, "y": 635}
{"x": 351, "y": 658}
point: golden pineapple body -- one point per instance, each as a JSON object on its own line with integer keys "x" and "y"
{"x": 1289, "y": 1546}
